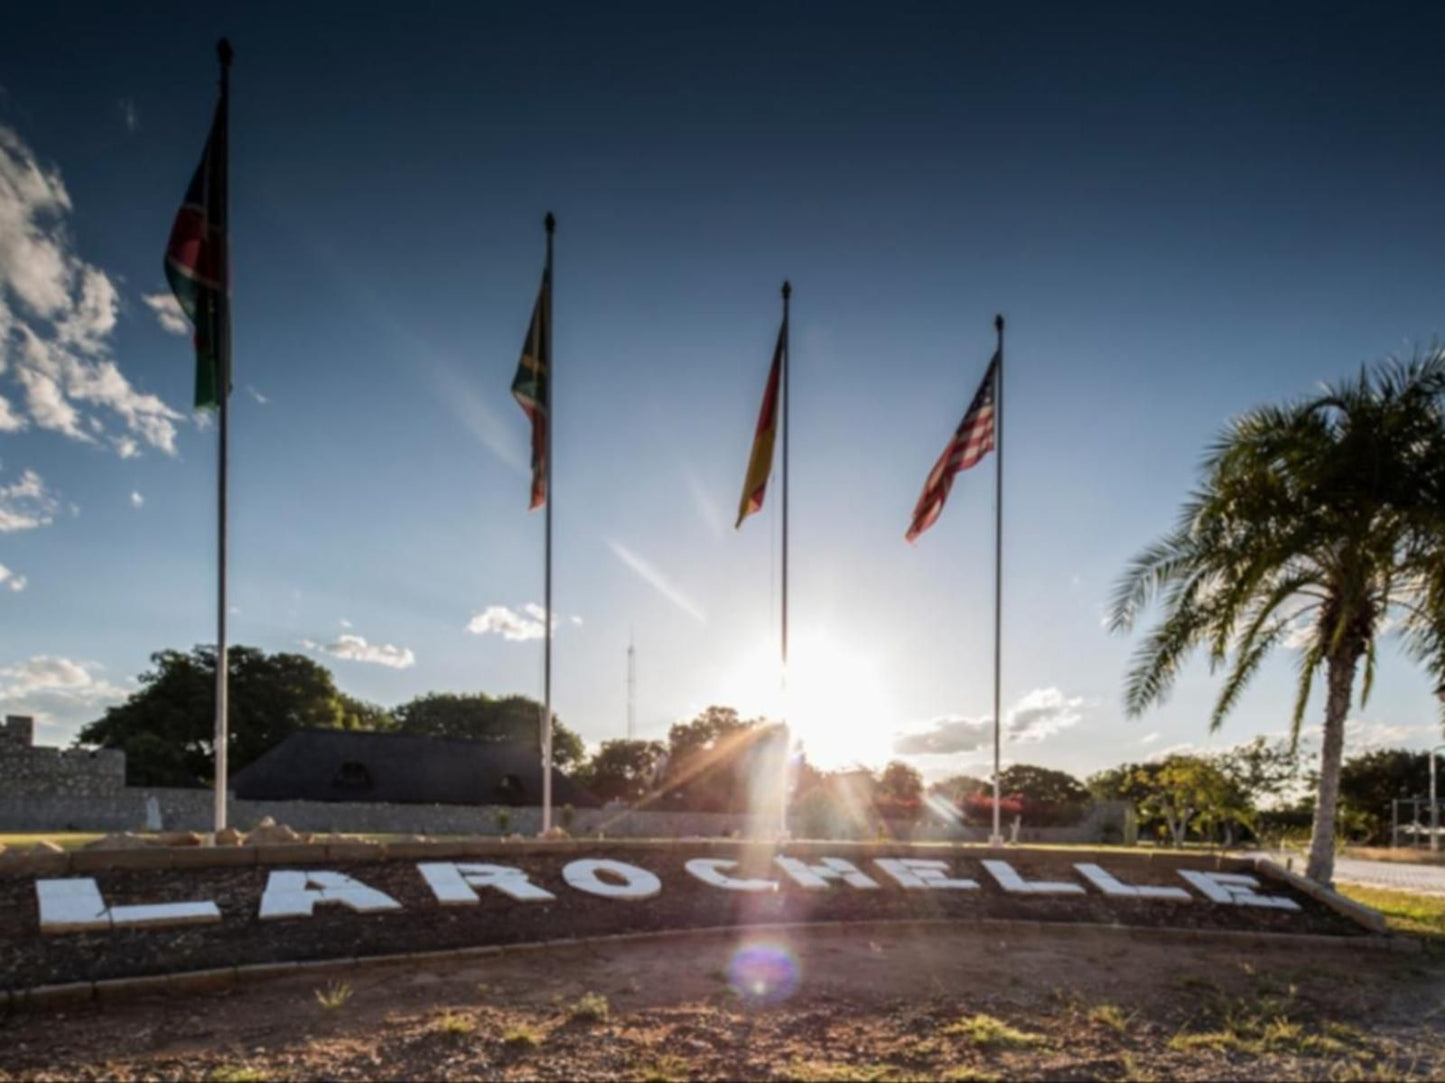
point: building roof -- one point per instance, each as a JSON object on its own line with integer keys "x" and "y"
{"x": 341, "y": 765}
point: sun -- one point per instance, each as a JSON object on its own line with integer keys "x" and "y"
{"x": 835, "y": 702}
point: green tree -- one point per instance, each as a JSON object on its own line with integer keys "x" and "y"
{"x": 1042, "y": 785}
{"x": 711, "y": 760}
{"x": 1266, "y": 771}
{"x": 167, "y": 727}
{"x": 358, "y": 714}
{"x": 1192, "y": 792}
{"x": 622, "y": 770}
{"x": 958, "y": 788}
{"x": 1371, "y": 781}
{"x": 476, "y": 716}
{"x": 1325, "y": 517}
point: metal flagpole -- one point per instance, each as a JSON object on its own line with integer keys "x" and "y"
{"x": 551, "y": 223}
{"x": 997, "y": 837}
{"x": 787, "y": 402}
{"x": 787, "y": 429}
{"x": 223, "y": 364}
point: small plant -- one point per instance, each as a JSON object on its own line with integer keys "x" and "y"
{"x": 454, "y": 1023}
{"x": 1111, "y": 1016}
{"x": 522, "y": 1037}
{"x": 589, "y": 1008}
{"x": 334, "y": 996}
{"x": 236, "y": 1073}
{"x": 666, "y": 1070}
{"x": 503, "y": 819}
{"x": 987, "y": 1032}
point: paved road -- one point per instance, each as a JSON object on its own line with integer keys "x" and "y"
{"x": 1395, "y": 875}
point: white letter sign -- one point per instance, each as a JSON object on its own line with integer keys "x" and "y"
{"x": 75, "y": 905}
{"x": 922, "y": 872}
{"x": 1117, "y": 889}
{"x": 636, "y": 883}
{"x": 452, "y": 883}
{"x": 1234, "y": 888}
{"x": 816, "y": 877}
{"x": 294, "y": 894}
{"x": 709, "y": 871}
{"x": 1015, "y": 884}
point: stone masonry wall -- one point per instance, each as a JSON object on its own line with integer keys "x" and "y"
{"x": 73, "y": 772}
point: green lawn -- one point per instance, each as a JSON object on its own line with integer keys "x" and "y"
{"x": 1407, "y": 913}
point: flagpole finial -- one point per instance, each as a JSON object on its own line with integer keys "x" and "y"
{"x": 225, "y": 52}
{"x": 998, "y": 323}
{"x": 787, "y": 289}
{"x": 550, "y": 222}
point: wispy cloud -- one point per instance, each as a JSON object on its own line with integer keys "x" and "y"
{"x": 129, "y": 114}
{"x": 11, "y": 581}
{"x": 355, "y": 648}
{"x": 657, "y": 581}
{"x": 57, "y": 317}
{"x": 136, "y": 500}
{"x": 169, "y": 313}
{"x": 1149, "y": 738}
{"x": 58, "y": 691}
{"x": 26, "y": 504}
{"x": 1038, "y": 714}
{"x": 707, "y": 507}
{"x": 262, "y": 399}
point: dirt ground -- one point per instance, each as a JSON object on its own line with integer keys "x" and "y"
{"x": 869, "y": 1003}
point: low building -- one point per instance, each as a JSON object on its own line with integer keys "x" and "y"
{"x": 398, "y": 768}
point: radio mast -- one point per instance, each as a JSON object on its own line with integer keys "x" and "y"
{"x": 631, "y": 687}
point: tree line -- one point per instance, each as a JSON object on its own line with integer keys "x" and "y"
{"x": 711, "y": 763}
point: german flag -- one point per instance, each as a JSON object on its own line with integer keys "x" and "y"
{"x": 198, "y": 261}
{"x": 760, "y": 463}
{"x": 531, "y": 384}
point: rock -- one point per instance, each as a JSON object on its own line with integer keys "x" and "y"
{"x": 180, "y": 838}
{"x": 123, "y": 841}
{"x": 270, "y": 833}
{"x": 557, "y": 833}
{"x": 229, "y": 837}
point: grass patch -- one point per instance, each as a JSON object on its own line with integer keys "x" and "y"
{"x": 334, "y": 996}
{"x": 453, "y": 1024}
{"x": 968, "y": 1074}
{"x": 666, "y": 1070}
{"x": 1256, "y": 1035}
{"x": 66, "y": 840}
{"x": 1405, "y": 911}
{"x": 988, "y": 1032}
{"x": 1109, "y": 1015}
{"x": 813, "y": 1071}
{"x": 522, "y": 1037}
{"x": 589, "y": 1008}
{"x": 236, "y": 1073}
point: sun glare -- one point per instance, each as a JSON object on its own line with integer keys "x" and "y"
{"x": 835, "y": 703}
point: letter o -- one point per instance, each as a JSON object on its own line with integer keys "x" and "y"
{"x": 637, "y": 883}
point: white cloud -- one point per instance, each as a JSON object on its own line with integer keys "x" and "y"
{"x": 10, "y": 581}
{"x": 1039, "y": 714}
{"x": 57, "y": 316}
{"x": 136, "y": 500}
{"x": 262, "y": 399}
{"x": 57, "y": 691}
{"x": 1043, "y": 713}
{"x": 354, "y": 648}
{"x": 26, "y": 504}
{"x": 657, "y": 581}
{"x": 129, "y": 114}
{"x": 1149, "y": 738}
{"x": 344, "y": 622}
{"x": 168, "y": 312}
{"x": 518, "y": 626}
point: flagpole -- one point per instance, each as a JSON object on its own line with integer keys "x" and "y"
{"x": 551, "y": 223}
{"x": 997, "y": 838}
{"x": 223, "y": 364}
{"x": 787, "y": 429}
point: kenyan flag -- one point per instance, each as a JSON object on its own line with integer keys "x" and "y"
{"x": 198, "y": 265}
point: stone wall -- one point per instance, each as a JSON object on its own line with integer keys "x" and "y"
{"x": 190, "y": 810}
{"x": 72, "y": 772}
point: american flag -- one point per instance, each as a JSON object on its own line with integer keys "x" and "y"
{"x": 973, "y": 440}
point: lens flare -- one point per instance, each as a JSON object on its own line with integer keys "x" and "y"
{"x": 763, "y": 973}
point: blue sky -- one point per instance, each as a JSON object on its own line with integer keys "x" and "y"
{"x": 1183, "y": 212}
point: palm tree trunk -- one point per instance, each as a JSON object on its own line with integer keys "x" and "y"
{"x": 1340, "y": 667}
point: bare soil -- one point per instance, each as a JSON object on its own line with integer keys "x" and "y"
{"x": 871, "y": 1003}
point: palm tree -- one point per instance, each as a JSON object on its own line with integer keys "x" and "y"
{"x": 1319, "y": 525}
